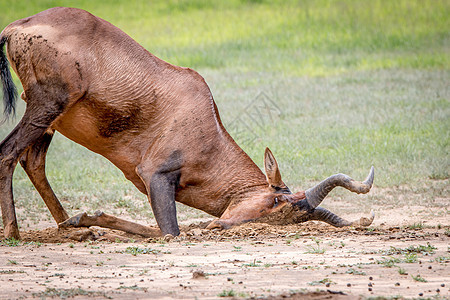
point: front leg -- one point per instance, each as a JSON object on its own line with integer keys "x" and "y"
{"x": 162, "y": 200}
{"x": 107, "y": 221}
{"x": 161, "y": 187}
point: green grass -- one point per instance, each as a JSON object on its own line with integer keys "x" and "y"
{"x": 135, "y": 250}
{"x": 355, "y": 83}
{"x": 254, "y": 263}
{"x": 291, "y": 37}
{"x": 315, "y": 249}
{"x": 402, "y": 271}
{"x": 11, "y": 271}
{"x": 323, "y": 281}
{"x": 389, "y": 262}
{"x": 418, "y": 278}
{"x": 69, "y": 293}
{"x": 11, "y": 242}
{"x": 416, "y": 226}
{"x": 227, "y": 293}
{"x": 355, "y": 272}
{"x": 421, "y": 249}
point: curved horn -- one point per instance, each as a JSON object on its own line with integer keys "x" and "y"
{"x": 324, "y": 215}
{"x": 315, "y": 195}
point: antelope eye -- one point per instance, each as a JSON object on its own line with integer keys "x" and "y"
{"x": 275, "y": 202}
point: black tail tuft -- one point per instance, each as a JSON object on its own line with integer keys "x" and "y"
{"x": 9, "y": 89}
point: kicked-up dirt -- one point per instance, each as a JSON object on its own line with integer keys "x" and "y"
{"x": 255, "y": 260}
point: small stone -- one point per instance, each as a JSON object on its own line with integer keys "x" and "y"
{"x": 430, "y": 267}
{"x": 198, "y": 274}
{"x": 420, "y": 294}
{"x": 438, "y": 290}
{"x": 370, "y": 278}
{"x": 397, "y": 284}
{"x": 443, "y": 284}
{"x": 369, "y": 284}
{"x": 349, "y": 284}
{"x": 370, "y": 289}
{"x": 197, "y": 231}
{"x": 327, "y": 284}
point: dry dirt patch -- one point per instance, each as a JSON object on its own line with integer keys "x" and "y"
{"x": 253, "y": 260}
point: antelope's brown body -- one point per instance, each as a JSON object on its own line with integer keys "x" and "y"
{"x": 156, "y": 122}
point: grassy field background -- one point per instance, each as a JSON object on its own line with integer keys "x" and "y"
{"x": 350, "y": 84}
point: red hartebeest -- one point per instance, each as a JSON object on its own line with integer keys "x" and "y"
{"x": 156, "y": 122}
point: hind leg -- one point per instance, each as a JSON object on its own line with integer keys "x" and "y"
{"x": 33, "y": 162}
{"x": 45, "y": 104}
{"x": 11, "y": 149}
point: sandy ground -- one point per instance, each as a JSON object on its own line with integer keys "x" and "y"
{"x": 305, "y": 261}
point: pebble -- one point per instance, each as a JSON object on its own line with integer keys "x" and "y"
{"x": 197, "y": 231}
{"x": 370, "y": 289}
{"x": 349, "y": 284}
{"x": 370, "y": 284}
{"x": 397, "y": 284}
{"x": 370, "y": 278}
{"x": 443, "y": 284}
{"x": 198, "y": 274}
{"x": 420, "y": 294}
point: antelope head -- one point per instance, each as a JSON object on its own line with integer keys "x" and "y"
{"x": 276, "y": 204}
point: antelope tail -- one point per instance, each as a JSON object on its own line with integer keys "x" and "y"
{"x": 9, "y": 89}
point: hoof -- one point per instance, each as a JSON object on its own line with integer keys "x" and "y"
{"x": 11, "y": 232}
{"x": 98, "y": 213}
{"x": 216, "y": 225}
{"x": 73, "y": 221}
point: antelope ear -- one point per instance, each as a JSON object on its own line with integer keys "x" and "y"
{"x": 272, "y": 172}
